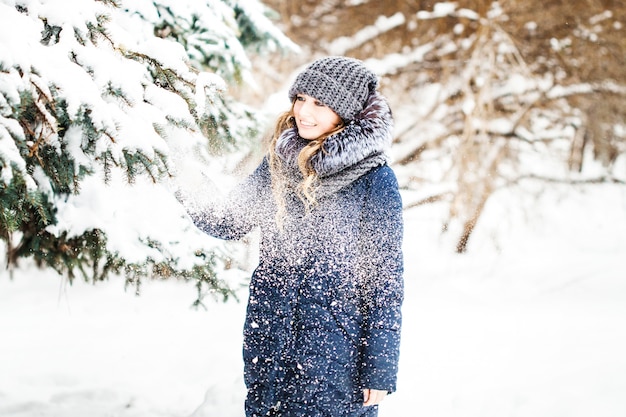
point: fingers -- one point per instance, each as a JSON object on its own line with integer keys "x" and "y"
{"x": 373, "y": 396}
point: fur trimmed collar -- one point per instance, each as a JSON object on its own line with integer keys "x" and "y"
{"x": 369, "y": 134}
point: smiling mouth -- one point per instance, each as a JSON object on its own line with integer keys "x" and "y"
{"x": 306, "y": 124}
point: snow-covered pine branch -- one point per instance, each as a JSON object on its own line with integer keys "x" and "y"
{"x": 94, "y": 93}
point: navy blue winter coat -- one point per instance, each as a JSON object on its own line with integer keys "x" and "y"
{"x": 324, "y": 309}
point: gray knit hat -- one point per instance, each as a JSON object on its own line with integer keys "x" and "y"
{"x": 341, "y": 83}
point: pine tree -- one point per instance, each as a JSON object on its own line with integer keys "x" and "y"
{"x": 98, "y": 92}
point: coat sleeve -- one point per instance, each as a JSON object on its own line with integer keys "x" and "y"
{"x": 238, "y": 214}
{"x": 383, "y": 286}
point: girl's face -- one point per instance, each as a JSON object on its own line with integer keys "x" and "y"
{"x": 313, "y": 118}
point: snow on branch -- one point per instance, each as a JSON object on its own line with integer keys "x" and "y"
{"x": 383, "y": 24}
{"x": 447, "y": 9}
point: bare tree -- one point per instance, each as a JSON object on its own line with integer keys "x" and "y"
{"x": 482, "y": 88}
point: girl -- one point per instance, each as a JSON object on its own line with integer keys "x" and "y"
{"x": 322, "y": 328}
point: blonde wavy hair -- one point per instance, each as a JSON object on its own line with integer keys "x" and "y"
{"x": 305, "y": 190}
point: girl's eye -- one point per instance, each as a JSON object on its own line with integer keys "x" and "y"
{"x": 320, "y": 104}
{"x": 299, "y": 98}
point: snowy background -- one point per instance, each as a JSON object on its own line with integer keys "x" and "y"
{"x": 529, "y": 322}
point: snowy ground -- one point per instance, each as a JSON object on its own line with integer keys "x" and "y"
{"x": 536, "y": 329}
